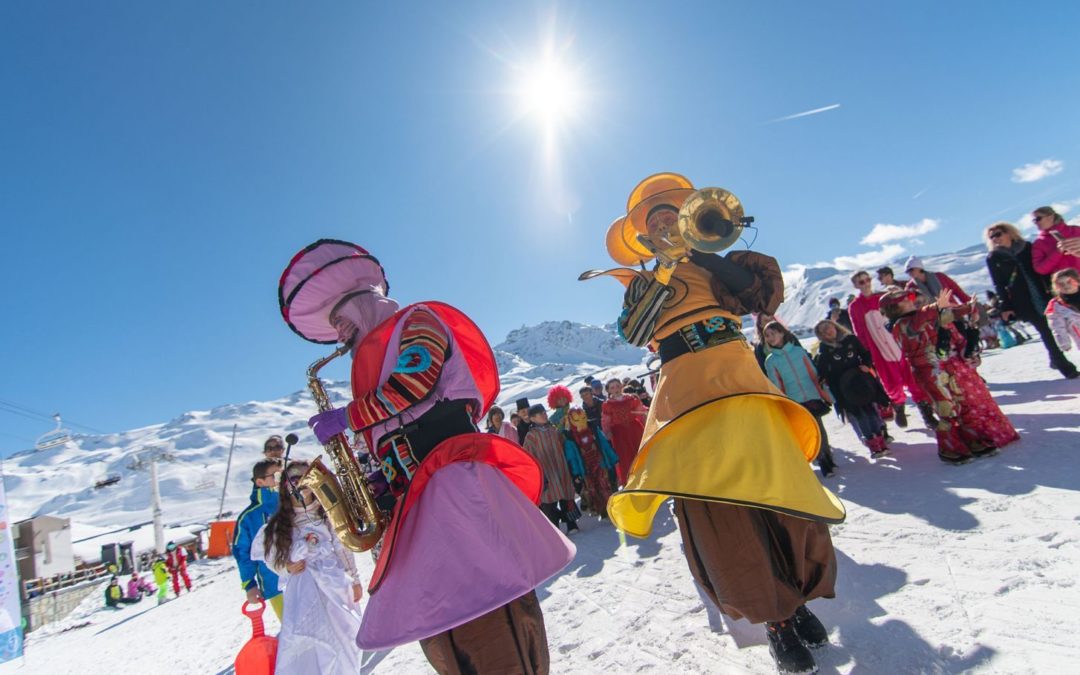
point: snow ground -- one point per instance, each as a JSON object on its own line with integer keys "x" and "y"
{"x": 942, "y": 570}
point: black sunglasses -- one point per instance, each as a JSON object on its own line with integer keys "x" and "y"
{"x": 1039, "y": 217}
{"x": 996, "y": 234}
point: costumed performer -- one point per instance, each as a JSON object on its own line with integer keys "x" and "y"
{"x": 598, "y": 458}
{"x": 869, "y": 326}
{"x": 970, "y": 423}
{"x": 621, "y": 419}
{"x": 466, "y": 545}
{"x": 720, "y": 438}
{"x": 323, "y": 590}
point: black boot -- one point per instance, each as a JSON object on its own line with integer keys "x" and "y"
{"x": 901, "y": 415}
{"x": 791, "y": 655}
{"x": 809, "y": 629}
{"x": 1065, "y": 367}
{"x": 926, "y": 409}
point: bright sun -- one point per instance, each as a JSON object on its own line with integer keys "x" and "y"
{"x": 549, "y": 92}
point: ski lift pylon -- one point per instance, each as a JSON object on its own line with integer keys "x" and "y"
{"x": 57, "y": 436}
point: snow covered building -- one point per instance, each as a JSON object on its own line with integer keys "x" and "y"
{"x": 43, "y": 547}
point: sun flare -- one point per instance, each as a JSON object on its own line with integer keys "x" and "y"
{"x": 549, "y": 92}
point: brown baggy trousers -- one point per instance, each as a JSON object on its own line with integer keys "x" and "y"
{"x": 753, "y": 563}
{"x": 511, "y": 640}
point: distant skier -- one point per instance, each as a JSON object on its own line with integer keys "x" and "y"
{"x": 161, "y": 579}
{"x": 176, "y": 562}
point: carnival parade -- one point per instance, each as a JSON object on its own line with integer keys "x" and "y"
{"x": 787, "y": 384}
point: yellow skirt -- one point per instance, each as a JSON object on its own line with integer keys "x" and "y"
{"x": 718, "y": 430}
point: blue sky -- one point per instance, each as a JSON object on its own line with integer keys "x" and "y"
{"x": 159, "y": 164}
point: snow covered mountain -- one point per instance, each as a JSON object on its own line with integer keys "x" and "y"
{"x": 533, "y": 359}
{"x": 808, "y": 289}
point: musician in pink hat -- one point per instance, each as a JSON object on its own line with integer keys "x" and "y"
{"x": 464, "y": 522}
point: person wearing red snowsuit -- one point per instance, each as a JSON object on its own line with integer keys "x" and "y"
{"x": 970, "y": 423}
{"x": 869, "y": 327}
{"x": 176, "y": 563}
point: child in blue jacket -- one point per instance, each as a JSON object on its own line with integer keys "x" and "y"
{"x": 258, "y": 580}
{"x": 790, "y": 368}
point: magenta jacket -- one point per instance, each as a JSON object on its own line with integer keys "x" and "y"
{"x": 1045, "y": 256}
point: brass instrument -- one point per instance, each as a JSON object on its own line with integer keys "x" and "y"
{"x": 343, "y": 493}
{"x": 711, "y": 220}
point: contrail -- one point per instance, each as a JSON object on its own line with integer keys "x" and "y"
{"x": 806, "y": 113}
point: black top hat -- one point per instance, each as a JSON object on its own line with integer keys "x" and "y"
{"x": 523, "y": 404}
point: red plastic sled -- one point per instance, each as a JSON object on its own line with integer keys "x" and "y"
{"x": 258, "y": 655}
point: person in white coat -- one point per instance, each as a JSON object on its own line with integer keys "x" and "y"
{"x": 322, "y": 589}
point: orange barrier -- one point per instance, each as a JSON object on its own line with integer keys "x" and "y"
{"x": 221, "y": 538}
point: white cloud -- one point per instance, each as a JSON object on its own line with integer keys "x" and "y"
{"x": 868, "y": 259}
{"x": 883, "y": 233}
{"x": 1065, "y": 206}
{"x": 1029, "y": 173}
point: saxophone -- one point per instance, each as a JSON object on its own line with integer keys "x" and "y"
{"x": 343, "y": 493}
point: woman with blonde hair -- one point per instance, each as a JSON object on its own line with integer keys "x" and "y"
{"x": 1022, "y": 292}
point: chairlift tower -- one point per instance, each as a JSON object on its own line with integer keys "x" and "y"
{"x": 148, "y": 458}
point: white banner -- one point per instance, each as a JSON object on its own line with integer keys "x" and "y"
{"x": 11, "y": 637}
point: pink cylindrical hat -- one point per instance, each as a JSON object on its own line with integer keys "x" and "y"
{"x": 317, "y": 278}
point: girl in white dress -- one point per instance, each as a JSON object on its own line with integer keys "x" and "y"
{"x": 321, "y": 616}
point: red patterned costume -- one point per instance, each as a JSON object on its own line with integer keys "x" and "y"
{"x": 596, "y": 460}
{"x": 970, "y": 422}
{"x": 622, "y": 422}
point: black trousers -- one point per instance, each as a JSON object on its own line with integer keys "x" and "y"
{"x": 1058, "y": 359}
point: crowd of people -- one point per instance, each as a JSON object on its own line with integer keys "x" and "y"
{"x": 922, "y": 337}
{"x": 727, "y": 438}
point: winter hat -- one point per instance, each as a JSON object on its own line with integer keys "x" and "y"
{"x": 318, "y": 278}
{"x": 536, "y": 409}
{"x": 913, "y": 263}
{"x": 891, "y": 301}
{"x": 171, "y": 546}
{"x": 522, "y": 404}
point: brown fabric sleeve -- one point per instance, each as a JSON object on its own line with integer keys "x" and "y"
{"x": 764, "y": 295}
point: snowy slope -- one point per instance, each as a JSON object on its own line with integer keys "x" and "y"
{"x": 941, "y": 570}
{"x": 808, "y": 289}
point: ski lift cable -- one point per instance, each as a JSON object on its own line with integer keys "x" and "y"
{"x": 15, "y": 408}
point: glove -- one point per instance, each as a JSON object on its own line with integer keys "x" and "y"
{"x": 328, "y": 424}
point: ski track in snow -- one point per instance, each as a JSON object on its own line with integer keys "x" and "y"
{"x": 941, "y": 570}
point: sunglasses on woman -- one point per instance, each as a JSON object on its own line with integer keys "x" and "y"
{"x": 996, "y": 234}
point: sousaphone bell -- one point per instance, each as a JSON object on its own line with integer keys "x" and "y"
{"x": 711, "y": 220}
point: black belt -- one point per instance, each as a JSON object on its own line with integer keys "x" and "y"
{"x": 444, "y": 420}
{"x": 699, "y": 336}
